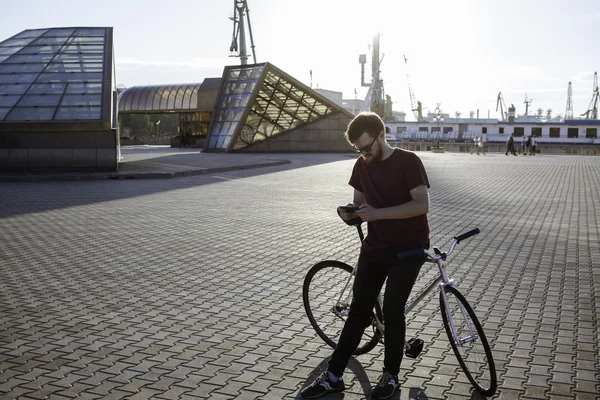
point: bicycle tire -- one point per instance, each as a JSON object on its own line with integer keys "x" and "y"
{"x": 315, "y": 281}
{"x": 484, "y": 380}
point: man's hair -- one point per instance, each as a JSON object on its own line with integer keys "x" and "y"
{"x": 364, "y": 122}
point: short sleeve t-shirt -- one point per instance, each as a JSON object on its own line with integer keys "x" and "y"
{"x": 388, "y": 183}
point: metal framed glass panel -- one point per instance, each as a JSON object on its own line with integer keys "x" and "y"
{"x": 231, "y": 105}
{"x": 16, "y": 42}
{"x": 280, "y": 105}
{"x": 78, "y": 113}
{"x": 44, "y": 100}
{"x": 81, "y": 100}
{"x": 31, "y": 33}
{"x": 8, "y": 100}
{"x": 91, "y": 57}
{"x": 139, "y": 102}
{"x": 30, "y": 114}
{"x": 187, "y": 97}
{"x": 13, "y": 88}
{"x": 91, "y": 32}
{"x": 47, "y": 88}
{"x": 31, "y": 58}
{"x": 69, "y": 77}
{"x": 80, "y": 48}
{"x": 136, "y": 99}
{"x": 17, "y": 78}
{"x": 3, "y": 112}
{"x": 170, "y": 97}
{"x": 21, "y": 68}
{"x": 45, "y": 49}
{"x": 150, "y": 100}
{"x": 9, "y": 51}
{"x": 85, "y": 40}
{"x": 50, "y": 40}
{"x": 59, "y": 32}
{"x": 73, "y": 67}
{"x": 84, "y": 88}
{"x": 53, "y": 74}
{"x": 179, "y": 98}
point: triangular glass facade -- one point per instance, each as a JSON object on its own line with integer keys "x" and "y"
{"x": 55, "y": 74}
{"x": 260, "y": 101}
{"x": 237, "y": 89}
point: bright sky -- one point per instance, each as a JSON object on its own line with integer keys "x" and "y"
{"x": 461, "y": 53}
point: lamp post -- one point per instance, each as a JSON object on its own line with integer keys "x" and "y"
{"x": 439, "y": 118}
{"x": 157, "y": 135}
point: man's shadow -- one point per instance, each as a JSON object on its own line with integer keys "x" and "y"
{"x": 366, "y": 385}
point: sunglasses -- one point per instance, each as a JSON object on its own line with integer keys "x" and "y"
{"x": 366, "y": 149}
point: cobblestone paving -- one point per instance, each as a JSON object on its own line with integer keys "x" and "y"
{"x": 191, "y": 288}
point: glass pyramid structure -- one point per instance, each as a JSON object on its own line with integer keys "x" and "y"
{"x": 57, "y": 74}
{"x": 260, "y": 101}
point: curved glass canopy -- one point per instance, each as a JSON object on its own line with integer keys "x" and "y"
{"x": 159, "y": 98}
{"x": 170, "y": 98}
{"x": 55, "y": 74}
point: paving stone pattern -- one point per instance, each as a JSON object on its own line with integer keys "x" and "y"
{"x": 191, "y": 288}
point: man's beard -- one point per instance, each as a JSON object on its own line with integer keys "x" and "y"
{"x": 373, "y": 157}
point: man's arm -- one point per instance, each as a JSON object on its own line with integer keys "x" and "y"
{"x": 419, "y": 205}
{"x": 359, "y": 198}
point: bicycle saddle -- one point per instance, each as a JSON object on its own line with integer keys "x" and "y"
{"x": 352, "y": 221}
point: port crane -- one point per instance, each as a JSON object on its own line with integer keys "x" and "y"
{"x": 415, "y": 105}
{"x": 592, "y": 111}
{"x": 238, "y": 42}
{"x": 500, "y": 103}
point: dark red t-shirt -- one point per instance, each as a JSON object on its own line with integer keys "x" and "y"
{"x": 388, "y": 183}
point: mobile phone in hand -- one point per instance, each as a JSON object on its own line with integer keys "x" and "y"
{"x": 349, "y": 208}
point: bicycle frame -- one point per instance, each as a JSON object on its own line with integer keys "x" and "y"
{"x": 441, "y": 281}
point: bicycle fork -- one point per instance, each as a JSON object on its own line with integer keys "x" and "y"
{"x": 341, "y": 303}
{"x": 472, "y": 331}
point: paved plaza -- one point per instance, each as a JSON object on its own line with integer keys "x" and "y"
{"x": 192, "y": 287}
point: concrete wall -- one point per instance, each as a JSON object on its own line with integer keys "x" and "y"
{"x": 324, "y": 135}
{"x": 58, "y": 151}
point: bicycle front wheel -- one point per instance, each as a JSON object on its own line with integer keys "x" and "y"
{"x": 468, "y": 341}
{"x": 327, "y": 294}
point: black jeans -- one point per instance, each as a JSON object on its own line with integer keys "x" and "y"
{"x": 373, "y": 268}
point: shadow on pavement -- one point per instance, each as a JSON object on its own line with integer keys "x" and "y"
{"x": 356, "y": 368}
{"x": 354, "y": 365}
{"x": 18, "y": 198}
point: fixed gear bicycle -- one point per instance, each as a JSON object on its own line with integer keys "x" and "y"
{"x": 327, "y": 296}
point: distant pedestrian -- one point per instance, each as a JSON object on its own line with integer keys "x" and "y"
{"x": 533, "y": 146}
{"x": 510, "y": 145}
{"x": 480, "y": 146}
{"x": 523, "y": 145}
{"x": 474, "y": 146}
{"x": 183, "y": 141}
{"x": 528, "y": 146}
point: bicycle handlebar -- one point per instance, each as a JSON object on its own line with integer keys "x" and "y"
{"x": 466, "y": 235}
{"x": 457, "y": 240}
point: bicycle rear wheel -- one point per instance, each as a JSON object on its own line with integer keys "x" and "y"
{"x": 327, "y": 293}
{"x": 469, "y": 344}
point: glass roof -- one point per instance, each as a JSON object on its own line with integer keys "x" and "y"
{"x": 160, "y": 98}
{"x": 54, "y": 74}
{"x": 260, "y": 101}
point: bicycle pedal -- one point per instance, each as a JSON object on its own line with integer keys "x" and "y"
{"x": 413, "y": 348}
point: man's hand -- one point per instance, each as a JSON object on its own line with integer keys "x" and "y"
{"x": 367, "y": 213}
{"x": 345, "y": 215}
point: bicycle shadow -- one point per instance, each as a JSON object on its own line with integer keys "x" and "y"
{"x": 361, "y": 375}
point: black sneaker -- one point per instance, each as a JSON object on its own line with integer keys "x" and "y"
{"x": 387, "y": 386}
{"x": 323, "y": 385}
